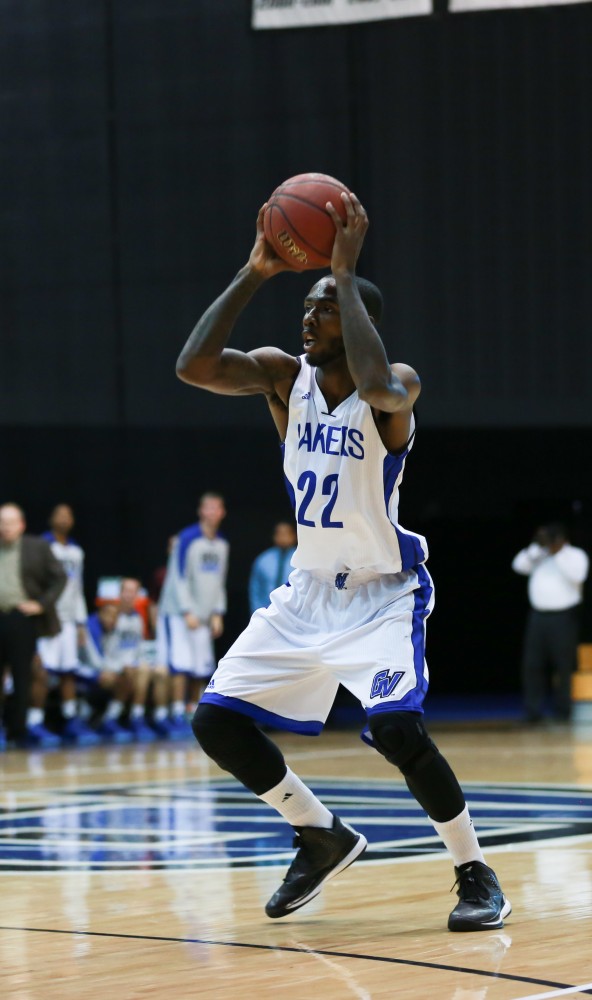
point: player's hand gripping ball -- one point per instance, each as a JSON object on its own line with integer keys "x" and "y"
{"x": 297, "y": 224}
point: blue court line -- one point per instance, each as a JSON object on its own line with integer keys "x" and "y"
{"x": 300, "y": 951}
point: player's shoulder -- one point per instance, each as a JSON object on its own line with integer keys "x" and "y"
{"x": 278, "y": 363}
{"x": 189, "y": 534}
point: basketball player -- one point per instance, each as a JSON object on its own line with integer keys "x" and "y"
{"x": 193, "y": 604}
{"x": 355, "y": 606}
{"x": 130, "y": 657}
{"x": 102, "y": 670}
{"x": 59, "y": 653}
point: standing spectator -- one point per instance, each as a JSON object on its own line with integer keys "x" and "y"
{"x": 163, "y": 595}
{"x": 59, "y": 654}
{"x": 556, "y": 572}
{"x": 193, "y": 603}
{"x": 272, "y": 567}
{"x": 31, "y": 581}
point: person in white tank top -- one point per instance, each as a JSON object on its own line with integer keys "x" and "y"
{"x": 357, "y": 599}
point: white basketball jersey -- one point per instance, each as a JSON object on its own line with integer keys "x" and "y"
{"x": 71, "y": 605}
{"x": 344, "y": 486}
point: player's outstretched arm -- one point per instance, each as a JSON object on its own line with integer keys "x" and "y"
{"x": 205, "y": 360}
{"x": 377, "y": 382}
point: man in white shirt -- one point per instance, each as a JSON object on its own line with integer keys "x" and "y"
{"x": 556, "y": 572}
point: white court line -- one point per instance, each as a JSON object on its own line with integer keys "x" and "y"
{"x": 557, "y": 993}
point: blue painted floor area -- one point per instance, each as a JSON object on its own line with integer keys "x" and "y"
{"x": 218, "y": 824}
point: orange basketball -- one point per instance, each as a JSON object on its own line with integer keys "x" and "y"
{"x": 298, "y": 225}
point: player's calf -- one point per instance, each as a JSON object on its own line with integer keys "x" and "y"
{"x": 403, "y": 739}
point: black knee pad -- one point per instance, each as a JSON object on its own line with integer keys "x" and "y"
{"x": 215, "y": 729}
{"x": 402, "y": 738}
{"x": 235, "y": 744}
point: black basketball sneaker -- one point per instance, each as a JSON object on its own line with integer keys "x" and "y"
{"x": 481, "y": 905}
{"x": 322, "y": 854}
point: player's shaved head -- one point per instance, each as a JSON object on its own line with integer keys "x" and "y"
{"x": 370, "y": 294}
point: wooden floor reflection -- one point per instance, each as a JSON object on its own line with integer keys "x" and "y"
{"x": 74, "y": 931}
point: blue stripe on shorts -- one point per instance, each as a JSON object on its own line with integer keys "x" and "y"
{"x": 413, "y": 700}
{"x": 312, "y": 728}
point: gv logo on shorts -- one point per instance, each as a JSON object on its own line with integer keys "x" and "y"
{"x": 384, "y": 684}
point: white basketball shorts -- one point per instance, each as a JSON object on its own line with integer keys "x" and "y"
{"x": 59, "y": 653}
{"x": 364, "y": 631}
{"x": 186, "y": 650}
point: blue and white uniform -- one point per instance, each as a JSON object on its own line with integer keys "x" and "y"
{"x": 128, "y": 643}
{"x": 113, "y": 651}
{"x": 195, "y": 582}
{"x": 59, "y": 653}
{"x": 99, "y": 652}
{"x": 354, "y": 608}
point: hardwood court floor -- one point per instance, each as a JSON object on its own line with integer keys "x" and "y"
{"x": 115, "y": 878}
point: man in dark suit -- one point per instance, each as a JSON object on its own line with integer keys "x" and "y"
{"x": 31, "y": 580}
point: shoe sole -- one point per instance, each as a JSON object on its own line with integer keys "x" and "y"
{"x": 357, "y": 850}
{"x": 490, "y": 925}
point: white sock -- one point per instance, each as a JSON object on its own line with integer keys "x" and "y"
{"x": 137, "y": 712}
{"x": 460, "y": 838}
{"x": 160, "y": 713}
{"x": 114, "y": 709}
{"x": 34, "y": 716}
{"x": 69, "y": 708}
{"x": 297, "y": 804}
{"x": 178, "y": 708}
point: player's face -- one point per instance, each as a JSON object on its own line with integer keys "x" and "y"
{"x": 321, "y": 332}
{"x": 62, "y": 519}
{"x": 108, "y": 615}
{"x": 128, "y": 595}
{"x": 211, "y": 511}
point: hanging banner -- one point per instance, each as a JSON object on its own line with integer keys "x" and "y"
{"x": 456, "y": 5}
{"x": 308, "y": 13}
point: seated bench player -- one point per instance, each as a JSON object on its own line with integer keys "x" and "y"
{"x": 101, "y": 669}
